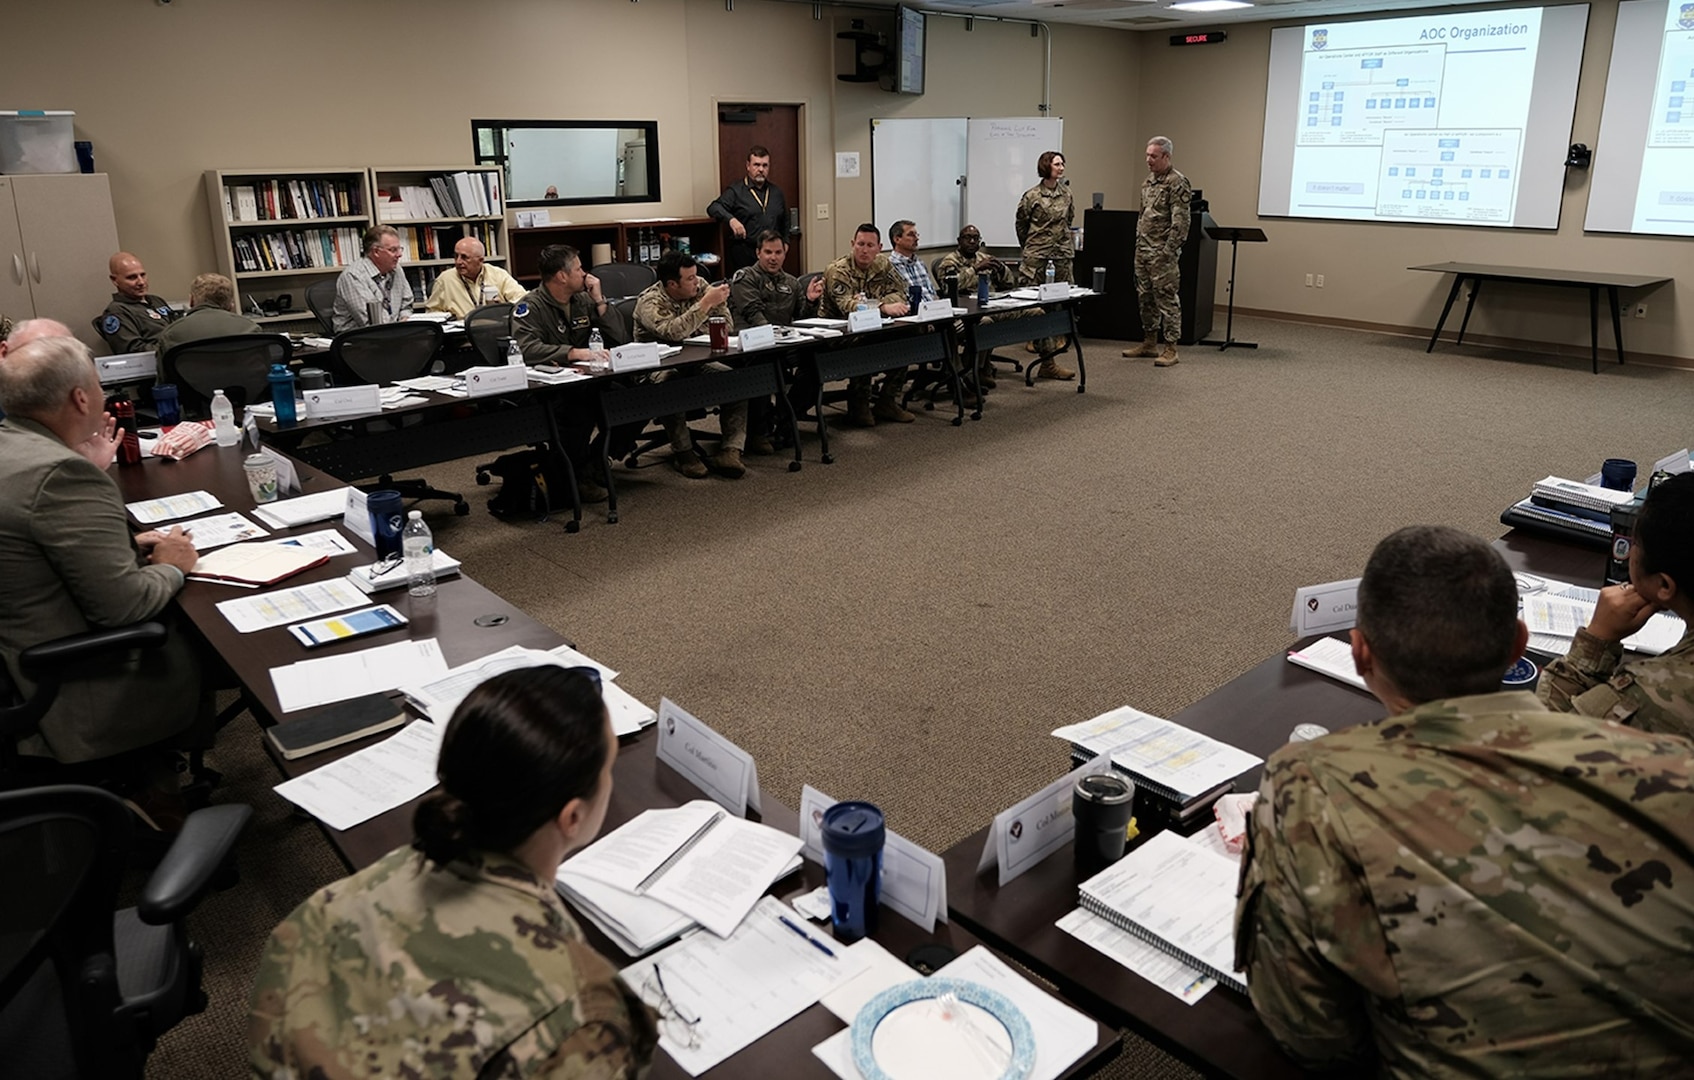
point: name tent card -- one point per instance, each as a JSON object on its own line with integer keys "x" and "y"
{"x": 636, "y": 356}
{"x": 483, "y": 381}
{"x": 914, "y": 881}
{"x": 1058, "y": 290}
{"x": 935, "y": 309}
{"x": 717, "y": 766}
{"x": 1031, "y": 830}
{"x": 1324, "y": 609}
{"x": 861, "y": 320}
{"x": 1673, "y": 463}
{"x": 357, "y": 519}
{"x": 337, "y": 401}
{"x": 757, "y": 337}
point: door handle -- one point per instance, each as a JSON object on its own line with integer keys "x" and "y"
{"x": 35, "y": 266}
{"x": 18, "y": 268}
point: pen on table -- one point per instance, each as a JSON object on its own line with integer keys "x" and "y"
{"x": 814, "y": 942}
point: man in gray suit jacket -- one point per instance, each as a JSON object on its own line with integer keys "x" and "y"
{"x": 68, "y": 565}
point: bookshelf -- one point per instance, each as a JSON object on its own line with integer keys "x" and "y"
{"x": 703, "y": 234}
{"x": 433, "y": 208}
{"x": 278, "y": 231}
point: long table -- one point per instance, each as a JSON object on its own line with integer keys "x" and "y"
{"x": 469, "y": 621}
{"x": 1592, "y": 280}
{"x": 1256, "y": 711}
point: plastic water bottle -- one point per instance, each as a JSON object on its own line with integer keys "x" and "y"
{"x": 282, "y": 392}
{"x": 1052, "y": 271}
{"x": 596, "y": 343}
{"x": 861, "y": 302}
{"x": 223, "y": 420}
{"x": 514, "y": 355}
{"x": 417, "y": 545}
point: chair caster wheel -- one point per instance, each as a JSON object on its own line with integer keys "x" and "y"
{"x": 958, "y": 421}
{"x": 573, "y": 526}
{"x": 828, "y": 459}
{"x": 793, "y": 466}
{"x": 461, "y": 509}
{"x": 612, "y": 518}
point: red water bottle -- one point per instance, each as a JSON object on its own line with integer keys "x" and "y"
{"x": 129, "y": 441}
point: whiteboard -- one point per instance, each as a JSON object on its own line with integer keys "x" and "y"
{"x": 916, "y": 169}
{"x": 1002, "y": 153}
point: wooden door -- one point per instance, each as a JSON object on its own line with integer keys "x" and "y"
{"x": 16, "y": 302}
{"x": 69, "y": 235}
{"x": 777, "y": 129}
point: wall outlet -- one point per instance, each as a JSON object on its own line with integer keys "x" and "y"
{"x": 1320, "y": 281}
{"x": 1308, "y": 281}
{"x": 823, "y": 211}
{"x": 1640, "y": 311}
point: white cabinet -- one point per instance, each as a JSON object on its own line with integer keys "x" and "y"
{"x": 57, "y": 234}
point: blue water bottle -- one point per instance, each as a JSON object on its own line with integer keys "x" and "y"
{"x": 282, "y": 392}
{"x": 853, "y": 834}
{"x": 982, "y": 288}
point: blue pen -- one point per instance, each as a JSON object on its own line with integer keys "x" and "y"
{"x": 814, "y": 942}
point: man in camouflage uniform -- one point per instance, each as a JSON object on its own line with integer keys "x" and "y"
{"x": 970, "y": 262}
{"x": 1653, "y": 693}
{"x": 135, "y": 318}
{"x": 765, "y": 294}
{"x": 672, "y": 309}
{"x": 1474, "y": 886}
{"x": 1044, "y": 218}
{"x": 551, "y": 324}
{"x": 476, "y": 969}
{"x": 866, "y": 272}
{"x": 1160, "y": 232}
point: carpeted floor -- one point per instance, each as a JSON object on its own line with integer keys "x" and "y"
{"x": 908, "y": 624}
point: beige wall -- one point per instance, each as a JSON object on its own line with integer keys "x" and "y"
{"x": 1209, "y": 100}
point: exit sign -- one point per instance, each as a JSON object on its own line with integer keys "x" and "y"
{"x": 1203, "y": 37}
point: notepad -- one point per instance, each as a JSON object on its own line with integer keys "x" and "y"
{"x": 292, "y": 513}
{"x": 256, "y": 563}
{"x": 1328, "y": 656}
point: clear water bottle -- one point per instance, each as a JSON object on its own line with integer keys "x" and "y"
{"x": 417, "y": 546}
{"x": 223, "y": 420}
{"x": 596, "y": 343}
{"x": 861, "y": 302}
{"x": 1052, "y": 272}
{"x": 514, "y": 355}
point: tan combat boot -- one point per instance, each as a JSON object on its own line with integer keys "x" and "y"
{"x": 1150, "y": 347}
{"x": 688, "y": 463}
{"x": 859, "y": 409}
{"x": 888, "y": 407}
{"x": 728, "y": 462}
{"x": 1168, "y": 357}
{"x": 1050, "y": 369}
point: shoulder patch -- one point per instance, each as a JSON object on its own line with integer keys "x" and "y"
{"x": 739, "y": 274}
{"x": 109, "y": 325}
{"x": 521, "y": 310}
{"x": 165, "y": 310}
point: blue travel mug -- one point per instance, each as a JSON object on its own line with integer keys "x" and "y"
{"x": 1618, "y": 474}
{"x": 282, "y": 392}
{"x": 165, "y": 405}
{"x": 982, "y": 288}
{"x": 388, "y": 517}
{"x": 853, "y": 833}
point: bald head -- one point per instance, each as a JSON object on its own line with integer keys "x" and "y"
{"x": 33, "y": 330}
{"x": 129, "y": 277}
{"x": 468, "y": 255}
{"x": 50, "y": 380}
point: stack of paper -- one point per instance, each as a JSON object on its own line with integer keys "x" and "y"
{"x": 1172, "y": 761}
{"x": 1328, "y": 656}
{"x": 1554, "y": 618}
{"x": 376, "y": 577}
{"x": 170, "y": 507}
{"x": 437, "y": 699}
{"x": 327, "y": 679}
{"x": 373, "y": 781}
{"x": 292, "y": 513}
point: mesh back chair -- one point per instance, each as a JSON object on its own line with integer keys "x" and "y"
{"x": 237, "y": 364}
{"x": 320, "y": 297}
{"x": 384, "y": 355}
{"x": 624, "y": 279}
{"x": 488, "y": 327}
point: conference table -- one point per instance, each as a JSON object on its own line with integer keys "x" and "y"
{"x": 1592, "y": 280}
{"x": 1257, "y": 711}
{"x": 468, "y": 621}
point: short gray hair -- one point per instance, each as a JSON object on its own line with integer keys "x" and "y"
{"x": 38, "y": 377}
{"x": 1163, "y": 144}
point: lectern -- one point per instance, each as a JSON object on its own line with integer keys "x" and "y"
{"x": 1234, "y": 236}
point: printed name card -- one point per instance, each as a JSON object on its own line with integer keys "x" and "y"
{"x": 483, "y": 381}
{"x": 757, "y": 337}
{"x": 716, "y": 766}
{"x": 862, "y": 319}
{"x": 1057, "y": 290}
{"x": 357, "y": 518}
{"x": 914, "y": 881}
{"x": 336, "y": 401}
{"x": 1673, "y": 463}
{"x": 636, "y": 356}
{"x": 1324, "y": 609}
{"x": 1033, "y": 829}
{"x": 935, "y": 309}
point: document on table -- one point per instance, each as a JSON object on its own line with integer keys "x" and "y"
{"x": 220, "y": 529}
{"x": 171, "y": 507}
{"x": 326, "y": 541}
{"x": 283, "y": 606}
{"x": 1328, "y": 656}
{"x": 740, "y": 987}
{"x": 1170, "y": 759}
{"x": 373, "y": 781}
{"x": 328, "y": 679}
{"x": 428, "y": 382}
{"x": 292, "y": 513}
{"x": 1560, "y": 616}
{"x": 1176, "y": 978}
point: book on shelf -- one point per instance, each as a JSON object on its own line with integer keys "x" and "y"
{"x": 290, "y": 199}
{"x": 299, "y": 249}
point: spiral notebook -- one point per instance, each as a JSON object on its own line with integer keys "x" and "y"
{"x": 1176, "y": 895}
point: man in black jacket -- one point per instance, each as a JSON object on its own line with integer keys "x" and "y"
{"x": 749, "y": 208}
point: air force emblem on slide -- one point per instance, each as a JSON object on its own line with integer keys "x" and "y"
{"x": 1320, "y": 38}
{"x": 1686, "y": 19}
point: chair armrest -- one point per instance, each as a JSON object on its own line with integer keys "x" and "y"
{"x": 192, "y": 863}
{"x": 60, "y": 653}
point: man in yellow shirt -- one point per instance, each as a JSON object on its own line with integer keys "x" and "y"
{"x": 472, "y": 282}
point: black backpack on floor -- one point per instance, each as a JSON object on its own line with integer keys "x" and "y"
{"x": 531, "y": 485}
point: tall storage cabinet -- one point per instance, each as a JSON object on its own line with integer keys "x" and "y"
{"x": 57, "y": 234}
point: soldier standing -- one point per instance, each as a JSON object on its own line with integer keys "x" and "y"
{"x": 1044, "y": 221}
{"x": 1159, "y": 235}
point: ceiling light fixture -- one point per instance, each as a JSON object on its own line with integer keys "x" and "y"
{"x": 1211, "y": 5}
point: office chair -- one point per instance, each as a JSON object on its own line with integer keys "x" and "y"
{"x": 935, "y": 272}
{"x": 805, "y": 280}
{"x": 86, "y": 989}
{"x": 383, "y": 355}
{"x": 624, "y": 279}
{"x": 237, "y": 364}
{"x": 487, "y": 327}
{"x": 320, "y": 297}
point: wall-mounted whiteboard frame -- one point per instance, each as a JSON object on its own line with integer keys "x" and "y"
{"x": 942, "y": 172}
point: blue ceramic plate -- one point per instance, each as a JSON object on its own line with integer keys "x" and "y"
{"x": 992, "y": 1002}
